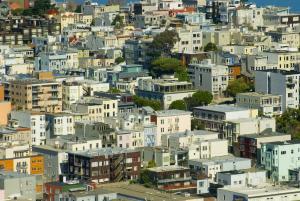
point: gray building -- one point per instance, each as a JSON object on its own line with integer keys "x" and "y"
{"x": 97, "y": 195}
{"x": 17, "y": 186}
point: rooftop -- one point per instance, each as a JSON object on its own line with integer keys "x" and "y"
{"x": 165, "y": 113}
{"x": 221, "y": 159}
{"x": 168, "y": 168}
{"x": 222, "y": 108}
{"x": 101, "y": 152}
{"x": 262, "y": 190}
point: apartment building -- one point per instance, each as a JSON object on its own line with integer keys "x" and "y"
{"x": 130, "y": 138}
{"x": 17, "y": 186}
{"x": 33, "y": 165}
{"x": 285, "y": 36}
{"x": 105, "y": 165}
{"x": 32, "y": 94}
{"x": 164, "y": 90}
{"x": 171, "y": 121}
{"x": 250, "y": 145}
{"x": 60, "y": 124}
{"x": 280, "y": 157}
{"x": 211, "y": 166}
{"x": 214, "y": 116}
{"x": 265, "y": 192}
{"x": 71, "y": 93}
{"x": 15, "y": 134}
{"x": 267, "y": 104}
{"x": 97, "y": 108}
{"x": 279, "y": 82}
{"x": 210, "y": 77}
{"x": 35, "y": 121}
{"x": 283, "y": 59}
{"x": 190, "y": 41}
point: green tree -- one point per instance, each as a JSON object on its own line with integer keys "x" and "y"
{"x": 196, "y": 124}
{"x": 167, "y": 65}
{"x": 18, "y": 11}
{"x": 199, "y": 98}
{"x": 141, "y": 102}
{"x": 289, "y": 122}
{"x": 145, "y": 178}
{"x": 162, "y": 44}
{"x": 151, "y": 164}
{"x": 114, "y": 90}
{"x": 238, "y": 86}
{"x": 210, "y": 47}
{"x": 119, "y": 60}
{"x": 178, "y": 105}
{"x": 78, "y": 9}
{"x": 118, "y": 22}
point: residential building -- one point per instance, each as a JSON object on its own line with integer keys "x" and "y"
{"x": 280, "y": 157}
{"x": 210, "y": 167}
{"x": 282, "y": 59}
{"x": 18, "y": 186}
{"x": 161, "y": 156}
{"x": 32, "y": 94}
{"x": 71, "y": 93}
{"x": 171, "y": 121}
{"x": 97, "y": 194}
{"x": 15, "y": 134}
{"x": 207, "y": 76}
{"x": 130, "y": 138}
{"x": 190, "y": 41}
{"x": 214, "y": 116}
{"x": 237, "y": 178}
{"x": 279, "y": 82}
{"x": 60, "y": 124}
{"x": 265, "y": 192}
{"x": 164, "y": 90}
{"x": 267, "y": 104}
{"x": 35, "y": 121}
{"x": 105, "y": 165}
{"x": 250, "y": 145}
{"x": 171, "y": 178}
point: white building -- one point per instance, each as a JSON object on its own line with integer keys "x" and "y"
{"x": 278, "y": 82}
{"x": 259, "y": 193}
{"x": 214, "y": 116}
{"x": 35, "y": 121}
{"x": 210, "y": 77}
{"x": 60, "y": 124}
{"x": 71, "y": 93}
{"x": 190, "y": 41}
{"x": 267, "y": 104}
{"x": 241, "y": 178}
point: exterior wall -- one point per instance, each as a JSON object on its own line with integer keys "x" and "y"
{"x": 5, "y": 108}
{"x": 209, "y": 77}
{"x": 35, "y": 121}
{"x": 277, "y": 83}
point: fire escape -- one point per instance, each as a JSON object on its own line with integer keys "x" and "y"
{"x": 118, "y": 166}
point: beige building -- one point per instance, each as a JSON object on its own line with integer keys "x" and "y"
{"x": 97, "y": 108}
{"x": 282, "y": 59}
{"x": 37, "y": 95}
{"x": 171, "y": 121}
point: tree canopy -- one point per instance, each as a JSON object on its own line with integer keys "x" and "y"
{"x": 141, "y": 102}
{"x": 40, "y": 7}
{"x": 199, "y": 98}
{"x": 178, "y": 105}
{"x": 118, "y": 22}
{"x": 167, "y": 65}
{"x": 289, "y": 122}
{"x": 238, "y": 86}
{"x": 210, "y": 47}
{"x": 119, "y": 60}
{"x": 163, "y": 43}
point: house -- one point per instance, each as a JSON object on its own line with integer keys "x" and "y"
{"x": 164, "y": 90}
{"x": 171, "y": 178}
{"x": 280, "y": 157}
{"x": 279, "y": 82}
{"x": 207, "y": 76}
{"x": 267, "y": 104}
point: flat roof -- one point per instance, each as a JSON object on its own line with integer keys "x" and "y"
{"x": 263, "y": 135}
{"x": 260, "y": 191}
{"x": 222, "y": 108}
{"x": 220, "y": 159}
{"x": 163, "y": 113}
{"x": 168, "y": 168}
{"x": 103, "y": 151}
{"x": 258, "y": 94}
